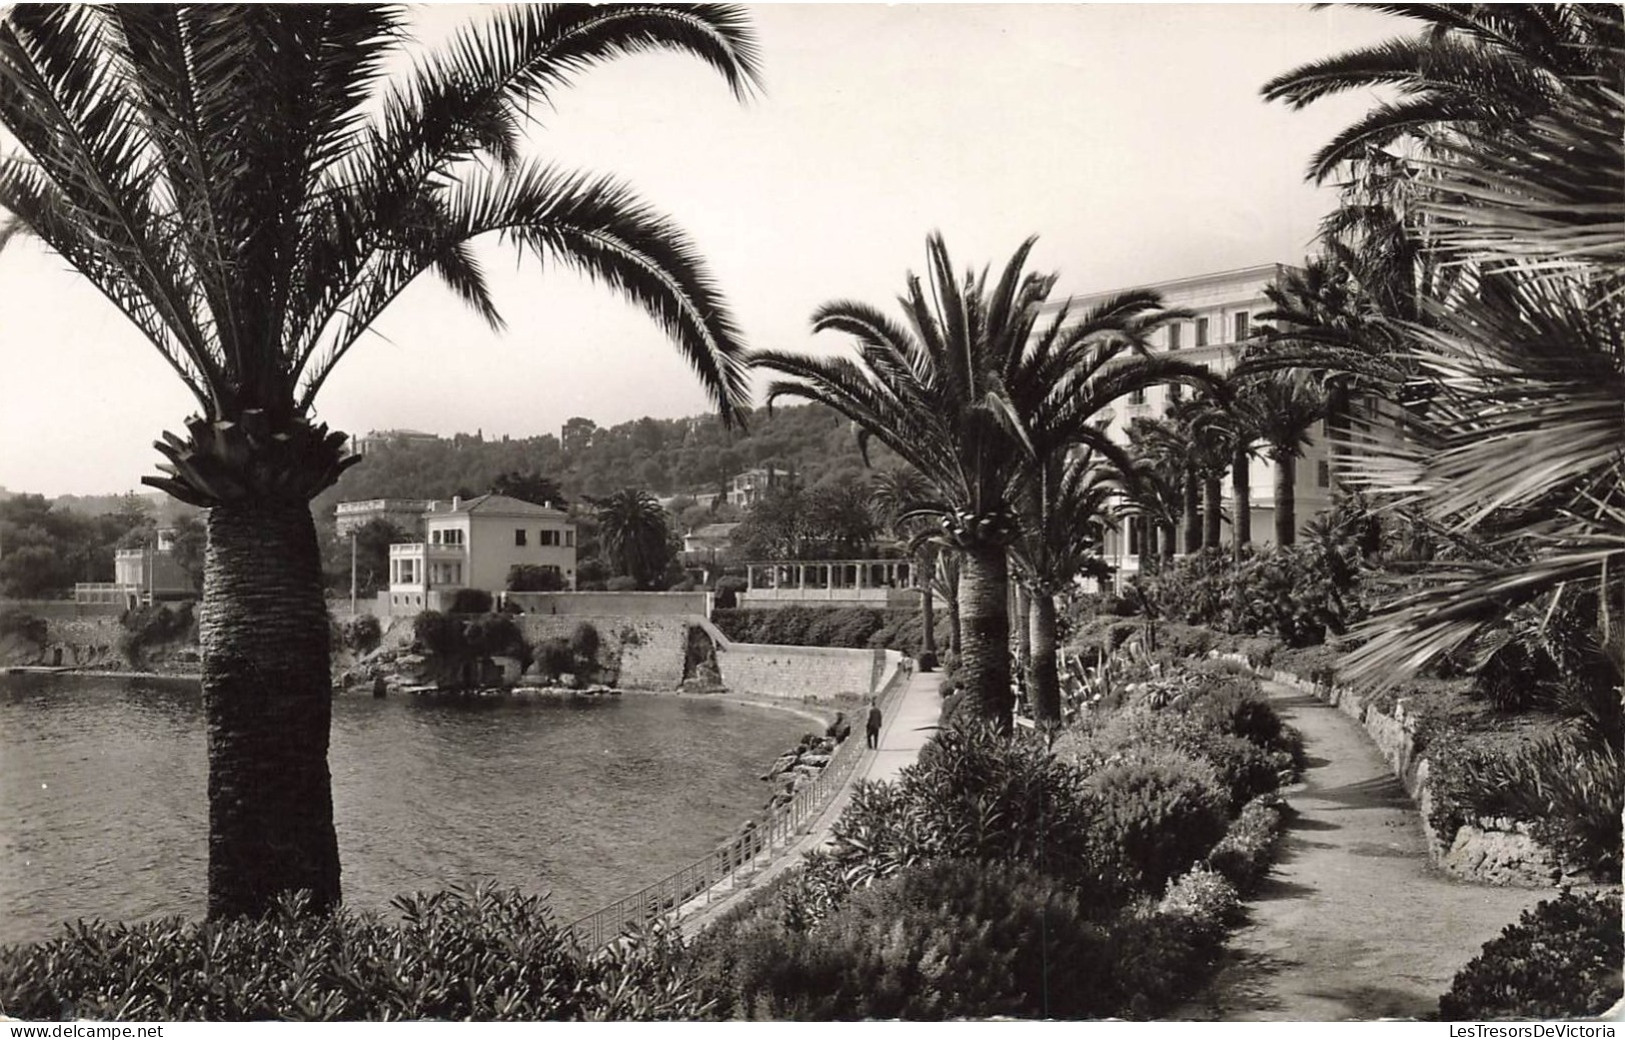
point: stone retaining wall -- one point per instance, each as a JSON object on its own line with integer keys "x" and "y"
{"x": 800, "y": 672}
{"x": 1499, "y": 852}
{"x": 650, "y": 649}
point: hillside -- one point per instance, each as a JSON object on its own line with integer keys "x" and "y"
{"x": 665, "y": 456}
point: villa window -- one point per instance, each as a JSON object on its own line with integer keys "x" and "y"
{"x": 1241, "y": 326}
{"x": 1173, "y": 335}
{"x": 1136, "y": 397}
{"x": 519, "y": 536}
{"x": 1201, "y": 332}
{"x": 434, "y": 537}
{"x": 570, "y": 538}
{"x": 1323, "y": 473}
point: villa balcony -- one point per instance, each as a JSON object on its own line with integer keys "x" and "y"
{"x": 419, "y": 566}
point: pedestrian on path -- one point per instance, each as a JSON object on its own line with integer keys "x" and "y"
{"x": 874, "y": 724}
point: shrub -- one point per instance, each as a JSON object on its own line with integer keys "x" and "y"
{"x": 493, "y": 635}
{"x": 362, "y": 633}
{"x": 1159, "y": 813}
{"x": 1247, "y": 849}
{"x": 439, "y": 634}
{"x": 533, "y": 577}
{"x": 1571, "y": 792}
{"x": 149, "y": 626}
{"x": 554, "y": 656}
{"x": 621, "y": 583}
{"x": 584, "y": 644}
{"x": 456, "y": 955}
{"x": 974, "y": 794}
{"x": 1206, "y": 898}
{"x": 1158, "y": 960}
{"x": 1562, "y": 959}
{"x": 939, "y": 941}
{"x": 20, "y": 623}
{"x": 470, "y": 601}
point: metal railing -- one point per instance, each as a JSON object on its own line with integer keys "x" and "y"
{"x": 777, "y": 831}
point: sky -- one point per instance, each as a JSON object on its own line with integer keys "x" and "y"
{"x": 1130, "y": 139}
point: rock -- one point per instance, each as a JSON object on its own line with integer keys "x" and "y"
{"x": 815, "y": 760}
{"x": 1495, "y": 857}
{"x": 801, "y": 769}
{"x": 782, "y": 763}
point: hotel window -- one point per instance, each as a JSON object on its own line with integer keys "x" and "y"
{"x": 1136, "y": 397}
{"x": 1241, "y": 326}
{"x": 570, "y": 538}
{"x": 1174, "y": 331}
{"x": 1323, "y": 473}
{"x": 1201, "y": 332}
{"x": 519, "y": 536}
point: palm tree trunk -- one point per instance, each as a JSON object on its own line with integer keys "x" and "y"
{"x": 1213, "y": 493}
{"x": 1241, "y": 485}
{"x": 1021, "y": 605}
{"x": 1170, "y": 542}
{"x": 1193, "y": 514}
{"x": 1043, "y": 680}
{"x": 928, "y": 612}
{"x": 984, "y": 662}
{"x": 1286, "y": 520}
{"x": 267, "y": 694}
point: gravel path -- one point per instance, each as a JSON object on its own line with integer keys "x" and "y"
{"x": 1353, "y": 923}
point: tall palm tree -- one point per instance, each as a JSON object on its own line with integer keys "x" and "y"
{"x": 633, "y": 535}
{"x": 969, "y": 390}
{"x": 251, "y": 190}
{"x": 1483, "y": 67}
{"x": 898, "y": 494}
{"x": 1065, "y": 509}
{"x": 1287, "y": 405}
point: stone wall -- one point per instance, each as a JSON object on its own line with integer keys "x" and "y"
{"x": 1493, "y": 852}
{"x": 800, "y": 672}
{"x": 649, "y": 650}
{"x": 613, "y": 604}
{"x": 88, "y": 642}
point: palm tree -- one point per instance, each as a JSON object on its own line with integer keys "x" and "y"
{"x": 969, "y": 391}
{"x": 1065, "y": 510}
{"x": 1481, "y": 67}
{"x": 633, "y": 535}
{"x": 898, "y": 495}
{"x": 250, "y": 190}
{"x": 1286, "y": 405}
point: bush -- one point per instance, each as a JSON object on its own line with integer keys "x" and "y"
{"x": 362, "y": 633}
{"x": 494, "y": 635}
{"x": 554, "y": 657}
{"x": 439, "y": 634}
{"x": 1158, "y": 960}
{"x": 1562, "y": 959}
{"x": 150, "y": 626}
{"x": 1247, "y": 849}
{"x": 1158, "y": 813}
{"x": 939, "y": 941}
{"x": 621, "y": 583}
{"x": 584, "y": 644}
{"x": 23, "y": 625}
{"x": 1572, "y": 793}
{"x": 470, "y": 601}
{"x": 460, "y": 955}
{"x": 974, "y": 794}
{"x": 1204, "y": 897}
{"x": 533, "y": 577}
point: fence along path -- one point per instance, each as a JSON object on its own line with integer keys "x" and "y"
{"x": 696, "y": 886}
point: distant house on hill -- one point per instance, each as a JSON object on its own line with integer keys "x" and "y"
{"x": 363, "y": 444}
{"x": 472, "y": 544}
{"x": 745, "y": 488}
{"x": 404, "y": 513}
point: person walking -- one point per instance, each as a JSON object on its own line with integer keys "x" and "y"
{"x": 874, "y": 724}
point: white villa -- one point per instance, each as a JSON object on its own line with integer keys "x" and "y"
{"x": 472, "y": 544}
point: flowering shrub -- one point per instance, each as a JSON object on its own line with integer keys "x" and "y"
{"x": 1158, "y": 813}
{"x": 1244, "y": 854}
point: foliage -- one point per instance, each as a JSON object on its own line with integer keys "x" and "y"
{"x": 851, "y": 627}
{"x": 362, "y": 633}
{"x": 529, "y": 486}
{"x": 945, "y": 940}
{"x": 634, "y": 536}
{"x": 439, "y": 634}
{"x": 1247, "y": 849}
{"x": 534, "y": 577}
{"x": 1299, "y": 593}
{"x": 149, "y": 626}
{"x": 790, "y": 522}
{"x": 494, "y": 635}
{"x": 459, "y": 955}
{"x": 584, "y": 644}
{"x": 1158, "y": 812}
{"x": 1571, "y": 793}
{"x": 48, "y": 547}
{"x": 470, "y": 601}
{"x": 23, "y": 625}
{"x": 727, "y": 593}
{"x": 1203, "y": 896}
{"x": 621, "y": 583}
{"x": 1561, "y": 960}
{"x": 555, "y": 658}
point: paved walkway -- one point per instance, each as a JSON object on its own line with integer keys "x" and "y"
{"x": 910, "y": 721}
{"x": 1354, "y": 922}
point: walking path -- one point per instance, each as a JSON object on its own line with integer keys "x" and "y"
{"x": 909, "y": 723}
{"x": 1354, "y": 922}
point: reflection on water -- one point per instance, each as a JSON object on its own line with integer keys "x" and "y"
{"x": 103, "y": 785}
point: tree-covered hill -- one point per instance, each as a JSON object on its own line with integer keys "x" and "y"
{"x": 666, "y": 456}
